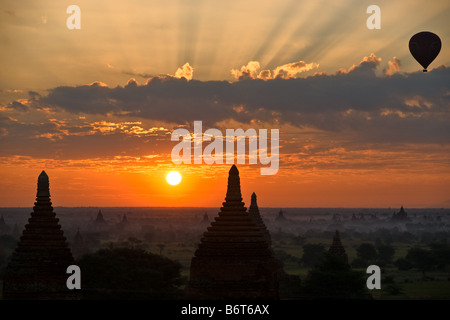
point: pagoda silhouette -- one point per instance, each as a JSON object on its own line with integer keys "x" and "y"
{"x": 233, "y": 259}
{"x": 4, "y": 228}
{"x": 253, "y": 212}
{"x": 401, "y": 215}
{"x": 78, "y": 246}
{"x": 337, "y": 249}
{"x": 99, "y": 220}
{"x": 37, "y": 269}
{"x": 205, "y": 219}
{"x": 280, "y": 217}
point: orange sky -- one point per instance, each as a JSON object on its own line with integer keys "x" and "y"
{"x": 360, "y": 124}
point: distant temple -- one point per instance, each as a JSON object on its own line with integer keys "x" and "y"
{"x": 122, "y": 224}
{"x": 124, "y": 219}
{"x": 99, "y": 220}
{"x": 78, "y": 246}
{"x": 336, "y": 248}
{"x": 37, "y": 269}
{"x": 4, "y": 228}
{"x": 401, "y": 215}
{"x": 233, "y": 260}
{"x": 280, "y": 216}
{"x": 205, "y": 219}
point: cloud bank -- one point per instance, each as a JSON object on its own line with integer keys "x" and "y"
{"x": 354, "y": 104}
{"x": 287, "y": 71}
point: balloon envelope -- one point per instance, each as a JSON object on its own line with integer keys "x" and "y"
{"x": 425, "y": 47}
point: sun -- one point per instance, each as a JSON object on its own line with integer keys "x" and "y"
{"x": 173, "y": 178}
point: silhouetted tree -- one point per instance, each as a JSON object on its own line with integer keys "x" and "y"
{"x": 128, "y": 273}
{"x": 421, "y": 259}
{"x": 333, "y": 278}
{"x": 441, "y": 255}
{"x": 7, "y": 246}
{"x": 286, "y": 257}
{"x": 403, "y": 264}
{"x": 312, "y": 253}
{"x": 135, "y": 243}
{"x": 385, "y": 254}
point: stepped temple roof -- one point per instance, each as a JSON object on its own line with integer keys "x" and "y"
{"x": 280, "y": 216}
{"x": 336, "y": 248}
{"x": 234, "y": 259}
{"x": 254, "y": 213}
{"x": 4, "y": 228}
{"x": 37, "y": 269}
{"x": 78, "y": 246}
{"x": 205, "y": 218}
{"x": 401, "y": 215}
{"x": 99, "y": 219}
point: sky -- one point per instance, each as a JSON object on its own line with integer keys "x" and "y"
{"x": 360, "y": 124}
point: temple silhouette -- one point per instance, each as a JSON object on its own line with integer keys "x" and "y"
{"x": 78, "y": 246}
{"x": 337, "y": 249}
{"x": 4, "y": 228}
{"x": 37, "y": 269}
{"x": 99, "y": 220}
{"x": 400, "y": 216}
{"x": 253, "y": 212}
{"x": 234, "y": 259}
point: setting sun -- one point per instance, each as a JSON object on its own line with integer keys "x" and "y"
{"x": 173, "y": 178}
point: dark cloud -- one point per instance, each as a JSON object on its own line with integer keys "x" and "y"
{"x": 410, "y": 107}
{"x": 34, "y": 95}
{"x": 393, "y": 67}
{"x": 16, "y": 105}
{"x": 59, "y": 140}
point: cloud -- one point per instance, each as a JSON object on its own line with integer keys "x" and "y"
{"x": 71, "y": 139}
{"x": 186, "y": 71}
{"x": 18, "y": 105}
{"x": 353, "y": 102}
{"x": 249, "y": 71}
{"x": 366, "y": 67}
{"x": 290, "y": 70}
{"x": 393, "y": 67}
{"x": 286, "y": 71}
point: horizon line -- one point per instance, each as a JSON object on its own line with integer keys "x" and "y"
{"x": 189, "y": 207}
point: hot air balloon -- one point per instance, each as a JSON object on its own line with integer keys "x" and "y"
{"x": 425, "y": 47}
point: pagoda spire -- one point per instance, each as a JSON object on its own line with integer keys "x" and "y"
{"x": 43, "y": 187}
{"x": 233, "y": 199}
{"x": 401, "y": 215}
{"x": 254, "y": 213}
{"x": 336, "y": 248}
{"x": 37, "y": 269}
{"x": 4, "y": 228}
{"x": 253, "y": 204}
{"x": 233, "y": 259}
{"x": 78, "y": 246}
